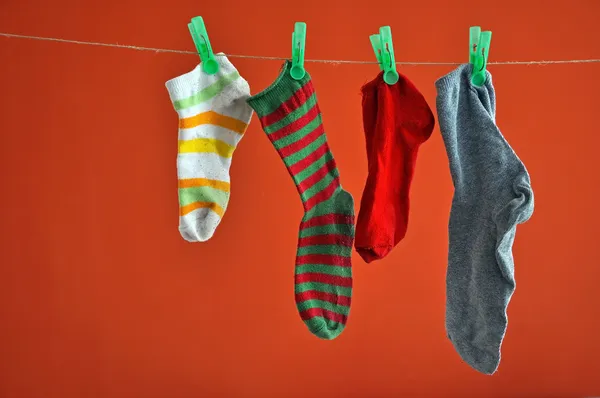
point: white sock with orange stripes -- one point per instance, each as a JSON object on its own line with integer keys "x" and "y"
{"x": 213, "y": 116}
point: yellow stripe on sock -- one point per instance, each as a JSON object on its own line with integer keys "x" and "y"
{"x": 214, "y": 118}
{"x": 201, "y": 205}
{"x": 204, "y": 182}
{"x": 206, "y": 145}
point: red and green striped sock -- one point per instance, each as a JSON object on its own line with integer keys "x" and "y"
{"x": 290, "y": 116}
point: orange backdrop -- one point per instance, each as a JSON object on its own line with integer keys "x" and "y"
{"x": 101, "y": 297}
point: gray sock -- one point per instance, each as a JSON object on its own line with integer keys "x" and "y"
{"x": 492, "y": 194}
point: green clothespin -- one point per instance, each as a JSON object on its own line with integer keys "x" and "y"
{"x": 384, "y": 52}
{"x": 298, "y": 46}
{"x": 200, "y": 36}
{"x": 474, "y": 33}
{"x": 479, "y": 50}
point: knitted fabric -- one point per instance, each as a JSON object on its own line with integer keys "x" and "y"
{"x": 213, "y": 116}
{"x": 396, "y": 121}
{"x": 291, "y": 117}
{"x": 492, "y": 195}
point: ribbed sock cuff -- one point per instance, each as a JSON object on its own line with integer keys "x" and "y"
{"x": 463, "y": 72}
{"x": 189, "y": 83}
{"x": 371, "y": 87}
{"x": 285, "y": 86}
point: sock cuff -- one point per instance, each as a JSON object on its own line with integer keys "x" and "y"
{"x": 371, "y": 86}
{"x": 284, "y": 87}
{"x": 453, "y": 79}
{"x": 196, "y": 87}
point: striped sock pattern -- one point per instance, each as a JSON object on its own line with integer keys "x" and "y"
{"x": 290, "y": 115}
{"x": 213, "y": 117}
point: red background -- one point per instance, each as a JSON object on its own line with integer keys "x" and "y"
{"x": 101, "y": 297}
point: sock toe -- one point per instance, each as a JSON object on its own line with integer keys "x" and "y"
{"x": 324, "y": 329}
{"x": 484, "y": 360}
{"x": 199, "y": 226}
{"x": 369, "y": 254}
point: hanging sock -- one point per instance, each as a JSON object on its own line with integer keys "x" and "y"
{"x": 492, "y": 194}
{"x": 290, "y": 115}
{"x": 396, "y": 121}
{"x": 213, "y": 116}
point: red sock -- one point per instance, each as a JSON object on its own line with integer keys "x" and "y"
{"x": 396, "y": 120}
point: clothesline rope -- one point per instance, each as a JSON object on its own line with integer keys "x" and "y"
{"x": 325, "y": 61}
